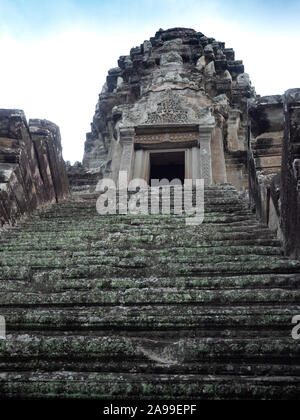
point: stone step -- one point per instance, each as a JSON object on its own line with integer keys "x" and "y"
{"x": 157, "y": 296}
{"x": 93, "y": 385}
{"x": 83, "y": 251}
{"x": 251, "y": 368}
{"x": 208, "y": 208}
{"x": 139, "y": 268}
{"x": 44, "y": 281}
{"x": 132, "y": 259}
{"x": 217, "y": 197}
{"x": 169, "y": 234}
{"x": 122, "y": 348}
{"x": 238, "y": 321}
{"x": 215, "y": 218}
{"x": 210, "y": 221}
{"x": 147, "y": 241}
{"x": 62, "y": 230}
{"x": 89, "y": 226}
{"x": 53, "y": 282}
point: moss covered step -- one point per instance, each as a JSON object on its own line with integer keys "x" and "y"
{"x": 136, "y": 260}
{"x": 42, "y": 281}
{"x": 208, "y": 200}
{"x": 217, "y": 220}
{"x": 168, "y": 251}
{"x": 251, "y": 368}
{"x": 241, "y": 320}
{"x": 209, "y": 209}
{"x": 144, "y": 307}
{"x": 144, "y": 241}
{"x": 157, "y": 296}
{"x": 45, "y": 281}
{"x": 169, "y": 233}
{"x": 88, "y": 347}
{"x": 138, "y": 268}
{"x": 169, "y": 236}
{"x": 106, "y": 223}
{"x": 94, "y": 385}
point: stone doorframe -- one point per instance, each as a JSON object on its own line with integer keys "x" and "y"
{"x": 138, "y": 142}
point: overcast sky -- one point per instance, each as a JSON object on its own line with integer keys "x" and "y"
{"x": 55, "y": 54}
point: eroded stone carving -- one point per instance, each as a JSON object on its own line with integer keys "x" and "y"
{"x": 170, "y": 110}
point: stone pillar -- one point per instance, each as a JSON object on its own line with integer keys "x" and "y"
{"x": 217, "y": 153}
{"x": 188, "y": 164}
{"x": 127, "y": 140}
{"x": 195, "y": 163}
{"x": 141, "y": 165}
{"x": 205, "y": 153}
{"x": 232, "y": 129}
{"x": 290, "y": 175}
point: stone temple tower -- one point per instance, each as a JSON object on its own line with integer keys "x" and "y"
{"x": 176, "y": 107}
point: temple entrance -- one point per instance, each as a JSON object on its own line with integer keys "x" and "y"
{"x": 167, "y": 165}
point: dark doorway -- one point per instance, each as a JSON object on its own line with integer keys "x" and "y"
{"x": 167, "y": 165}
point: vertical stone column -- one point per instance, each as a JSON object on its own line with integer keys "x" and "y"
{"x": 188, "y": 164}
{"x": 233, "y": 127}
{"x": 127, "y": 141}
{"x": 290, "y": 175}
{"x": 195, "y": 163}
{"x": 205, "y": 153}
{"x": 141, "y": 165}
{"x": 217, "y": 152}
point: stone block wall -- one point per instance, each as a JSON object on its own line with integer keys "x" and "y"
{"x": 32, "y": 170}
{"x": 290, "y": 175}
{"x": 274, "y": 165}
{"x": 264, "y": 156}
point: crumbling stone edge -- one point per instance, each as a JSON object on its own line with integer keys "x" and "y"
{"x": 32, "y": 170}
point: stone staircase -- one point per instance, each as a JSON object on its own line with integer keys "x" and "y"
{"x": 145, "y": 307}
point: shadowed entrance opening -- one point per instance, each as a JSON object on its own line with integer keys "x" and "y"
{"x": 167, "y": 165}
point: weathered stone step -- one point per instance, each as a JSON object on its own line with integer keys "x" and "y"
{"x": 216, "y": 219}
{"x": 155, "y": 297}
{"x": 249, "y": 369}
{"x": 145, "y": 241}
{"x": 156, "y": 232}
{"x": 239, "y": 321}
{"x": 208, "y": 199}
{"x": 209, "y": 207}
{"x": 216, "y": 193}
{"x": 137, "y": 268}
{"x": 119, "y": 348}
{"x": 167, "y": 222}
{"x": 83, "y": 250}
{"x": 66, "y": 230}
{"x": 137, "y": 260}
{"x": 69, "y": 213}
{"x": 44, "y": 281}
{"x": 94, "y": 385}
{"x": 259, "y": 281}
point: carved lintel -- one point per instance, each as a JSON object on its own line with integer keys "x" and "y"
{"x": 167, "y": 138}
